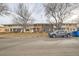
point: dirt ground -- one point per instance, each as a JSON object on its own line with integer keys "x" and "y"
{"x": 37, "y": 44}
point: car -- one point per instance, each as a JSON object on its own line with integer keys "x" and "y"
{"x": 59, "y": 33}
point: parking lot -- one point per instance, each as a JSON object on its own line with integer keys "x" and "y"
{"x": 37, "y": 45}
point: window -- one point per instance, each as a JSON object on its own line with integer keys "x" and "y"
{"x": 27, "y": 29}
{"x": 67, "y": 28}
{"x": 73, "y": 29}
{"x": 69, "y": 24}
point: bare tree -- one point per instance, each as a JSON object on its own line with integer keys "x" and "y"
{"x": 3, "y": 7}
{"x": 24, "y": 14}
{"x": 77, "y": 21}
{"x": 59, "y": 11}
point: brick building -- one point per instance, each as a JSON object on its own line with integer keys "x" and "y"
{"x": 39, "y": 27}
{"x": 2, "y": 29}
{"x": 51, "y": 27}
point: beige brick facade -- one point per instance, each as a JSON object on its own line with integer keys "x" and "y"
{"x": 37, "y": 27}
{"x": 2, "y": 29}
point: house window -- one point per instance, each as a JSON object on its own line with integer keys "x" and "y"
{"x": 69, "y": 24}
{"x": 73, "y": 29}
{"x": 27, "y": 29}
{"x": 10, "y": 30}
{"x": 67, "y": 28}
{"x": 63, "y": 28}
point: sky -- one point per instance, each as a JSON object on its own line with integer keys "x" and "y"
{"x": 37, "y": 13}
{"x": 36, "y": 9}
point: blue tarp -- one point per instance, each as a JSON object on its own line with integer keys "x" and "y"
{"x": 75, "y": 33}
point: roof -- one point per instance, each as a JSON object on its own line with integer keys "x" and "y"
{"x": 1, "y": 26}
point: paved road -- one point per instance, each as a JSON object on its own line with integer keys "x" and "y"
{"x": 43, "y": 46}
